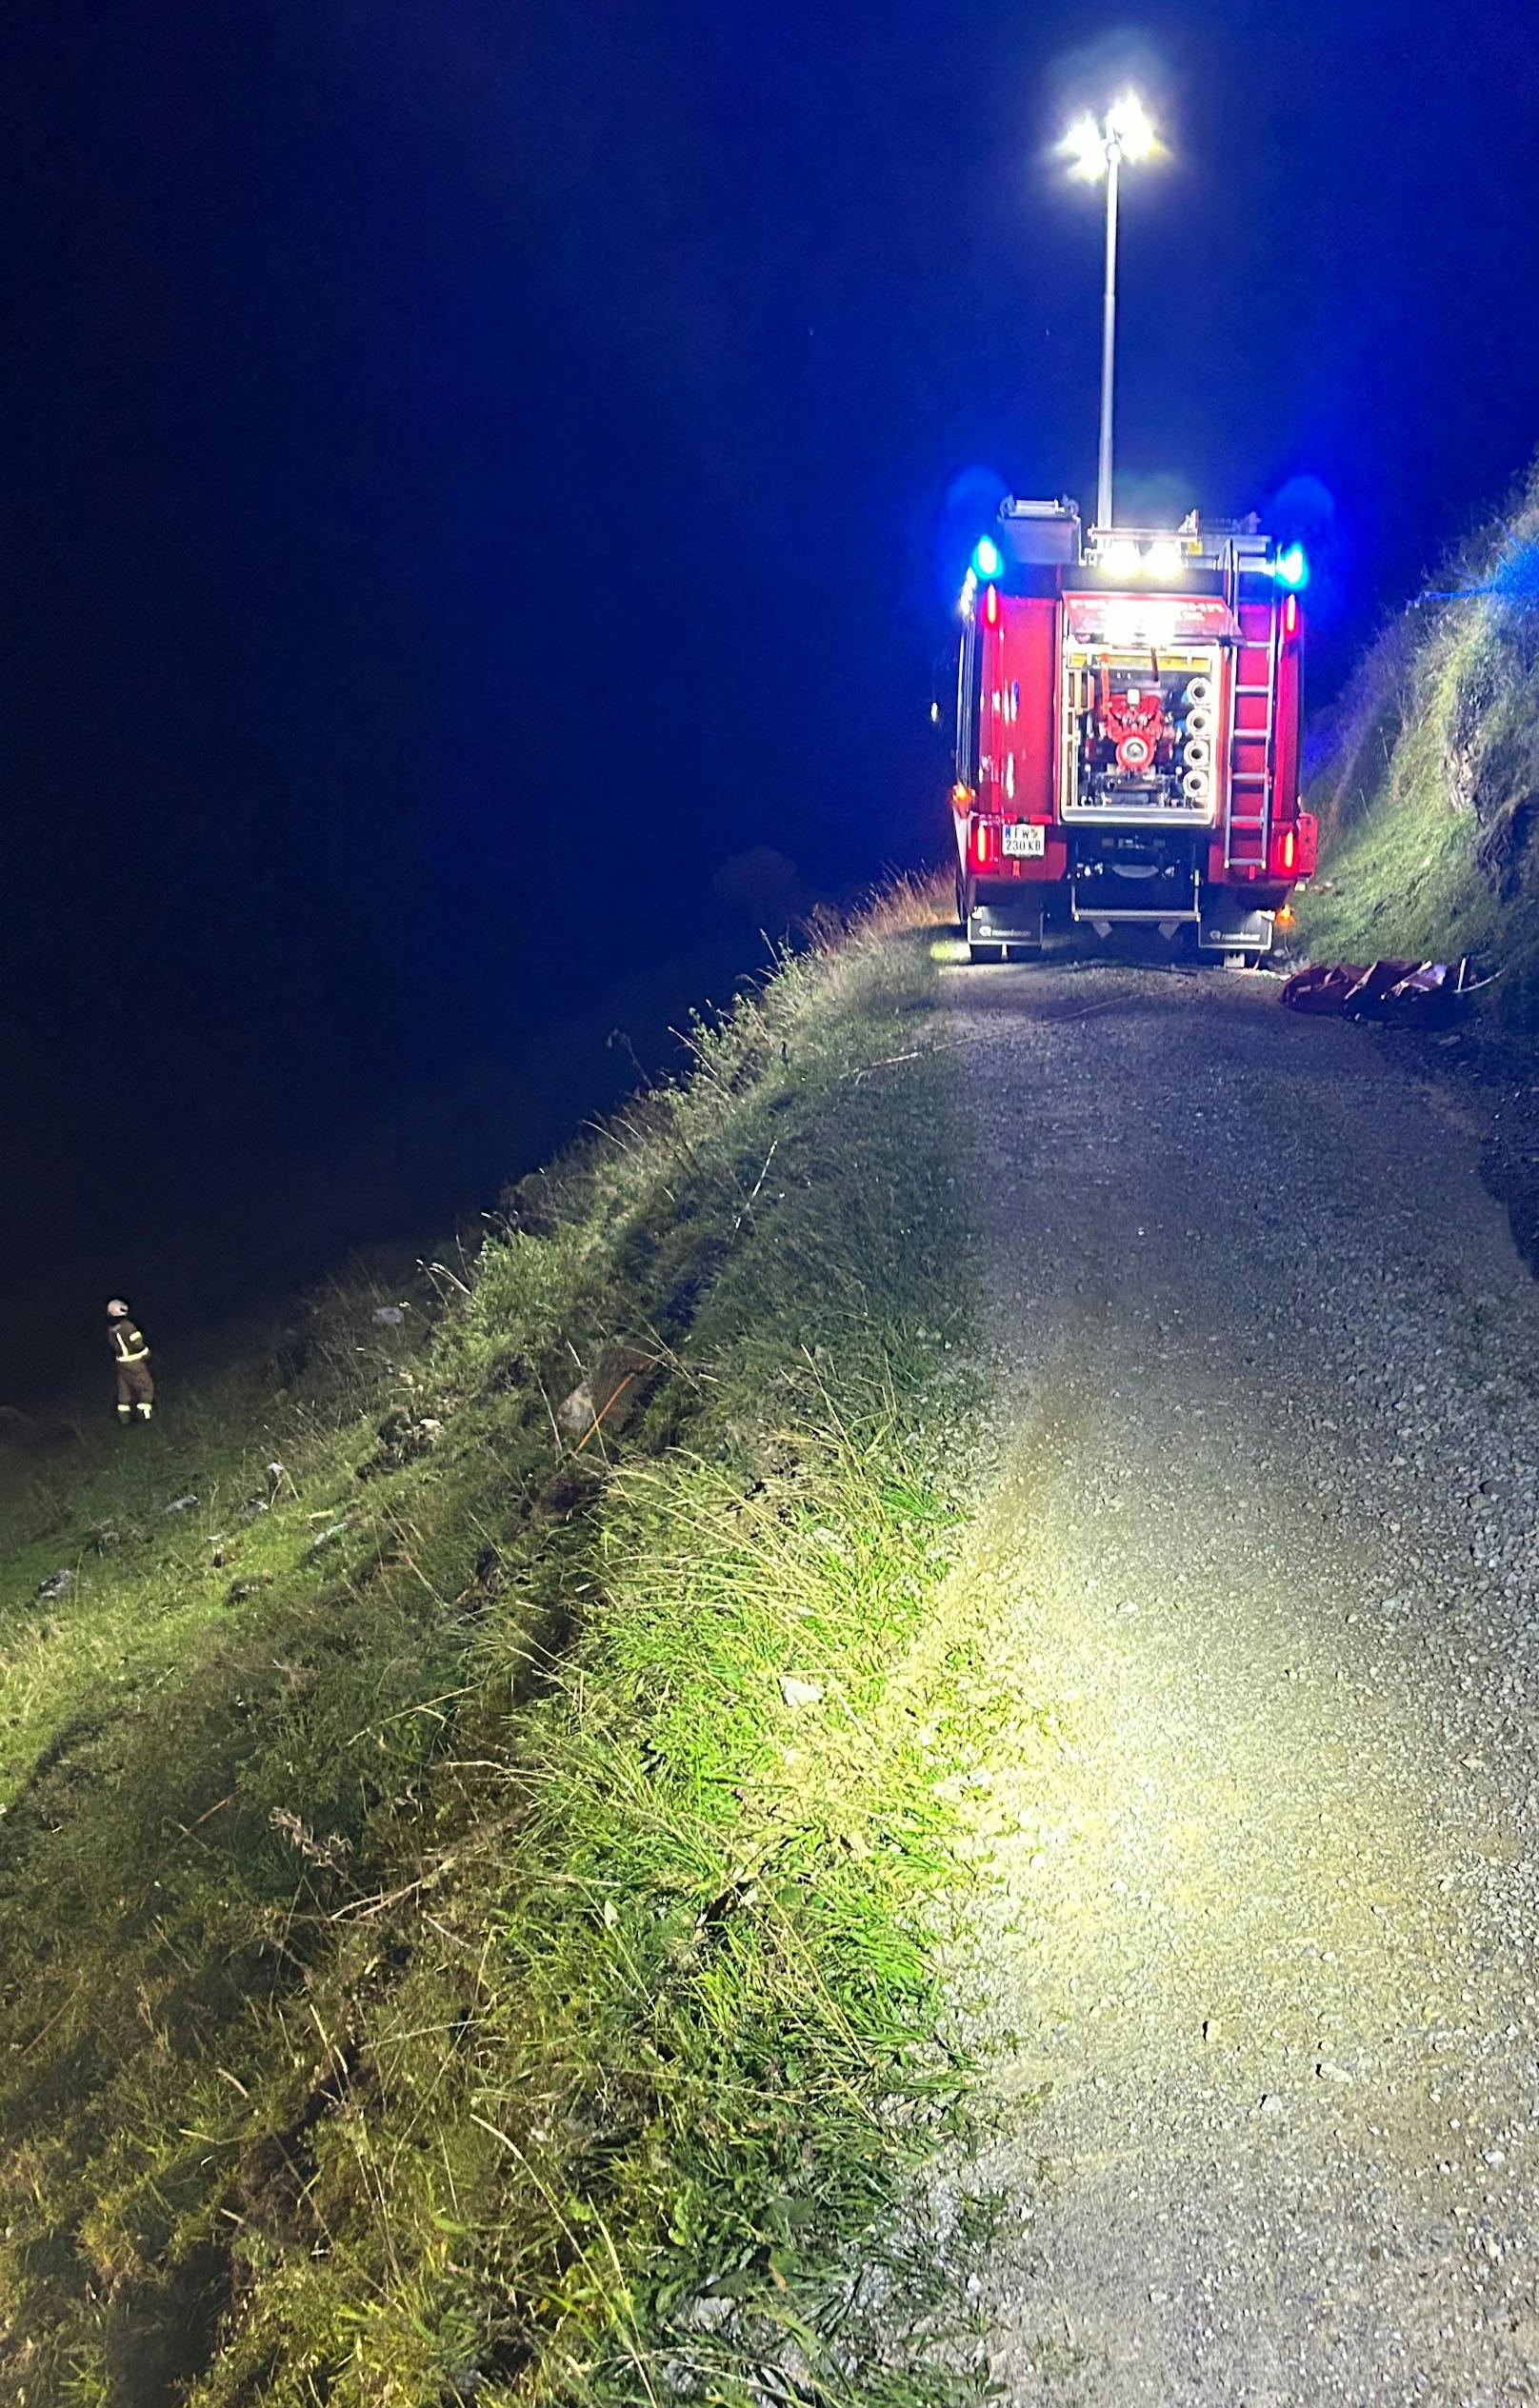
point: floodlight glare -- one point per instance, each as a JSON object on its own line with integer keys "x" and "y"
{"x": 1164, "y": 559}
{"x": 1084, "y": 147}
{"x": 986, "y": 558}
{"x": 1128, "y": 126}
{"x": 1122, "y": 559}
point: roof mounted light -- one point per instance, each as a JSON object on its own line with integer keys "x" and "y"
{"x": 1122, "y": 557}
{"x": 986, "y": 558}
{"x": 1164, "y": 558}
{"x": 1291, "y": 568}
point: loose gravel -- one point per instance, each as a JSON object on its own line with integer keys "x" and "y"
{"x": 1258, "y": 1939}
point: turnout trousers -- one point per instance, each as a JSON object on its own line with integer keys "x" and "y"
{"x": 136, "y": 1391}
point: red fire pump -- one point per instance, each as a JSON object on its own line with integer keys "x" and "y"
{"x": 1133, "y": 721}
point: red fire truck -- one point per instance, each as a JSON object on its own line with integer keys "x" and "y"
{"x": 1128, "y": 733}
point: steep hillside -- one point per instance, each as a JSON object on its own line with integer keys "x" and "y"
{"x": 470, "y": 1790}
{"x": 1426, "y": 775}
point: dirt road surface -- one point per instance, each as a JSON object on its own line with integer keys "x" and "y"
{"x": 1264, "y": 1571}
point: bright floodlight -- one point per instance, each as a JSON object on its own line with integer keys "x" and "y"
{"x": 1098, "y": 150}
{"x": 1123, "y": 557}
{"x": 1164, "y": 559}
{"x": 1084, "y": 147}
{"x": 1127, "y": 132}
{"x": 1128, "y": 126}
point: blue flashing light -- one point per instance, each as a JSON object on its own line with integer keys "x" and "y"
{"x": 985, "y": 559}
{"x": 1292, "y": 569}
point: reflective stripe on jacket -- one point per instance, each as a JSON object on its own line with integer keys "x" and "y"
{"x": 129, "y": 1344}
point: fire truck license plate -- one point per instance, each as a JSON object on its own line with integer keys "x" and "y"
{"x": 1025, "y": 841}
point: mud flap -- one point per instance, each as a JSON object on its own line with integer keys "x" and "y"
{"x": 1223, "y": 928}
{"x": 1015, "y": 921}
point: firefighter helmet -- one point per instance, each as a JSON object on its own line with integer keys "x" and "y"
{"x": 118, "y": 1310}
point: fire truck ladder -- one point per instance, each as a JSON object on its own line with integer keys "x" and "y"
{"x": 1252, "y": 742}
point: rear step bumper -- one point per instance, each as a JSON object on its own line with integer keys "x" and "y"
{"x": 1091, "y": 914}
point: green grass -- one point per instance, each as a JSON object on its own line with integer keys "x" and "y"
{"x": 1426, "y": 777}
{"x": 492, "y": 1959}
{"x": 1401, "y": 876}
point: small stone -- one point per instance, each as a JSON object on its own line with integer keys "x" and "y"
{"x": 576, "y": 1413}
{"x": 180, "y": 1504}
{"x": 799, "y": 1692}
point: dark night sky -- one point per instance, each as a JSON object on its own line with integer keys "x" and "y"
{"x": 472, "y": 473}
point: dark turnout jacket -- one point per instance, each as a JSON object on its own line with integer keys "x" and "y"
{"x": 128, "y": 1342}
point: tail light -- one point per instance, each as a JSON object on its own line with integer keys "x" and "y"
{"x": 985, "y": 841}
{"x": 1294, "y": 848}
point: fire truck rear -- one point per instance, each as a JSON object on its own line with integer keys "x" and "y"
{"x": 1128, "y": 733}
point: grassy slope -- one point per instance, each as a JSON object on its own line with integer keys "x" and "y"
{"x": 457, "y": 1968}
{"x": 1427, "y": 772}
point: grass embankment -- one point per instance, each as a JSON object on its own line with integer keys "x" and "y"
{"x": 1426, "y": 777}
{"x": 465, "y": 1894}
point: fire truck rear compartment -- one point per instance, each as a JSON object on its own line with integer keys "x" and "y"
{"x": 1135, "y": 873}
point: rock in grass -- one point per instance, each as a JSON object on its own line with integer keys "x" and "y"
{"x": 180, "y": 1504}
{"x": 611, "y": 1392}
{"x": 577, "y": 1412}
{"x": 57, "y": 1582}
{"x": 798, "y": 1691}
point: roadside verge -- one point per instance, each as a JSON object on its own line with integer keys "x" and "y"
{"x": 490, "y": 1956}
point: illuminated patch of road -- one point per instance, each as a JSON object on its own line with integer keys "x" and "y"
{"x": 1262, "y": 1910}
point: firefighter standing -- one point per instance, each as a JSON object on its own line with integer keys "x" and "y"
{"x": 130, "y": 1359}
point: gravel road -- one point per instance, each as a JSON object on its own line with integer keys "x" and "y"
{"x": 1264, "y": 1555}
